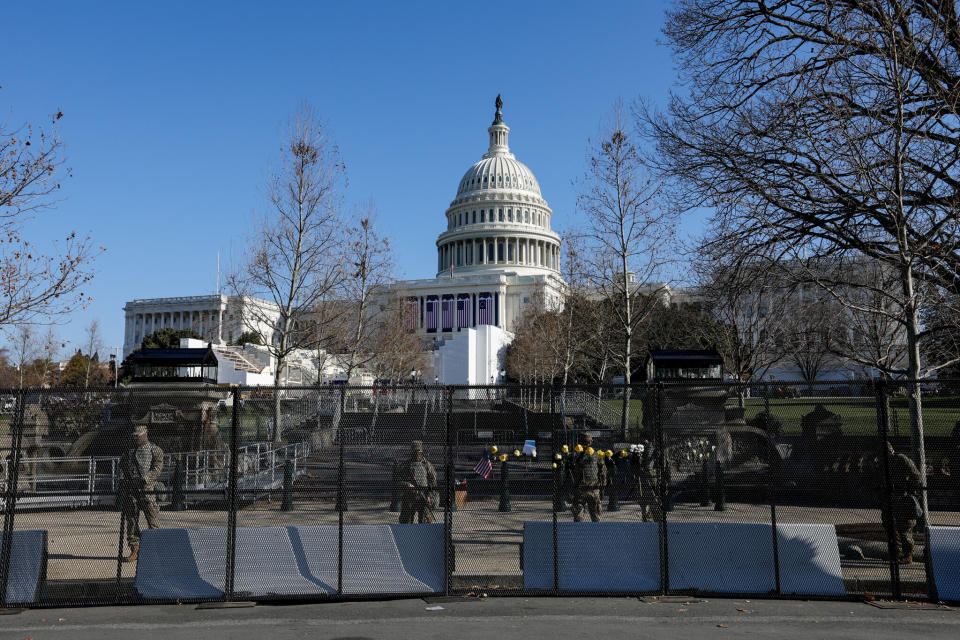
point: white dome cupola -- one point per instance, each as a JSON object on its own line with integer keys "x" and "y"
{"x": 498, "y": 221}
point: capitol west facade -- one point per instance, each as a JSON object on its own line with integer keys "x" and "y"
{"x": 496, "y": 258}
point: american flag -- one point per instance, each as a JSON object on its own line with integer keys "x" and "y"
{"x": 447, "y": 311}
{"x": 411, "y": 316}
{"x": 483, "y": 311}
{"x": 484, "y": 468}
{"x": 431, "y": 314}
{"x": 463, "y": 312}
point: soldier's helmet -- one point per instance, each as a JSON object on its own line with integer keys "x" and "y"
{"x": 416, "y": 445}
{"x": 139, "y": 430}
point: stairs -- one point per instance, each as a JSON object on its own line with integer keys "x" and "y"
{"x": 238, "y": 358}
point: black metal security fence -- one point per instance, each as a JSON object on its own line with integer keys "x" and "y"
{"x": 314, "y": 493}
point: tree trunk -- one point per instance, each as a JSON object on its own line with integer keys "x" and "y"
{"x": 277, "y": 432}
{"x": 913, "y": 374}
{"x": 625, "y": 416}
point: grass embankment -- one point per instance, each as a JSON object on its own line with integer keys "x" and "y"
{"x": 858, "y": 415}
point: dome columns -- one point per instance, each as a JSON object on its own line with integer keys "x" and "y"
{"x": 498, "y": 250}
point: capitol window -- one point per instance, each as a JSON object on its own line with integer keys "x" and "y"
{"x": 500, "y": 215}
{"x": 482, "y": 215}
{"x": 510, "y": 215}
{"x": 474, "y": 217}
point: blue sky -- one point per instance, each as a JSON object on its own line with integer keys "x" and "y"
{"x": 173, "y": 115}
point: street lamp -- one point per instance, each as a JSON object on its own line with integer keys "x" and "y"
{"x": 115, "y": 358}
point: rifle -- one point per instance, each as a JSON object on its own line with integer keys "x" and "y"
{"x": 424, "y": 493}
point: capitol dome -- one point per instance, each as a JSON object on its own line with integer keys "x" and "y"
{"x": 499, "y": 172}
{"x": 499, "y": 219}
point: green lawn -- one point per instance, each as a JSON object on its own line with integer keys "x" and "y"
{"x": 858, "y": 415}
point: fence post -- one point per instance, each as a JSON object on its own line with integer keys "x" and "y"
{"x": 557, "y": 498}
{"x": 504, "y": 505}
{"x": 721, "y": 502}
{"x": 179, "y": 479}
{"x": 10, "y": 503}
{"x": 232, "y": 497}
{"x": 705, "y": 483}
{"x": 287, "y": 504}
{"x": 340, "y": 504}
{"x": 448, "y": 500}
{"x": 663, "y": 487}
{"x": 772, "y": 486}
{"x": 886, "y": 500}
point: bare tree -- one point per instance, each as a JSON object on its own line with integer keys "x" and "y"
{"x": 826, "y": 129}
{"x": 558, "y": 320}
{"x": 867, "y": 332}
{"x": 34, "y": 355}
{"x": 36, "y": 286}
{"x": 810, "y": 334}
{"x": 629, "y": 235}
{"x": 368, "y": 261}
{"x": 292, "y": 259}
{"x": 749, "y": 300}
{"x": 93, "y": 343}
{"x": 396, "y": 348}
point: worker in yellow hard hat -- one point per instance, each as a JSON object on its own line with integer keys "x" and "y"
{"x": 586, "y": 474}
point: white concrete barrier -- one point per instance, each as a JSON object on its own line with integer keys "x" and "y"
{"x": 945, "y": 555}
{"x": 28, "y": 566}
{"x": 593, "y": 556}
{"x": 296, "y": 561}
{"x": 708, "y": 557}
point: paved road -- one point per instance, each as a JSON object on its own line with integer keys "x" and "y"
{"x": 501, "y": 618}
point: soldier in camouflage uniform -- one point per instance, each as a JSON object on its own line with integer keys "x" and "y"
{"x": 642, "y": 476}
{"x": 419, "y": 480}
{"x": 139, "y": 468}
{"x": 905, "y": 481}
{"x": 586, "y": 474}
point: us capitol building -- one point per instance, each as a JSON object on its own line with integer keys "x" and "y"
{"x": 496, "y": 258}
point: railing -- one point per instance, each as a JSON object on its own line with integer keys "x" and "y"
{"x": 573, "y": 402}
{"x": 593, "y": 407}
{"x": 93, "y": 480}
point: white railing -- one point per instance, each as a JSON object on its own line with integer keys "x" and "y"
{"x": 572, "y": 402}
{"x": 93, "y": 480}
